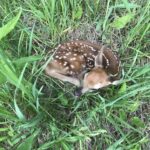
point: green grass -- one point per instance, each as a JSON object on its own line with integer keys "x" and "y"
{"x": 37, "y": 112}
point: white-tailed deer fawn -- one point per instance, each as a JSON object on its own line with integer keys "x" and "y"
{"x": 84, "y": 64}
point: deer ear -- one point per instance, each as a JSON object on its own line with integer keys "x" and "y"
{"x": 99, "y": 59}
{"x": 111, "y": 63}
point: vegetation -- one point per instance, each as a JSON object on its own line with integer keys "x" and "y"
{"x": 38, "y": 112}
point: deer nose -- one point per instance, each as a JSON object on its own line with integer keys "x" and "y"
{"x": 78, "y": 92}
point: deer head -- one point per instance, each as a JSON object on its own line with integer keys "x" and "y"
{"x": 105, "y": 72}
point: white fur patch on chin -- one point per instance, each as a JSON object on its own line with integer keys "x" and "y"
{"x": 116, "y": 82}
{"x": 97, "y": 86}
{"x": 100, "y": 85}
{"x": 84, "y": 90}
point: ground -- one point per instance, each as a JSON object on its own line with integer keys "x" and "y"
{"x": 39, "y": 112}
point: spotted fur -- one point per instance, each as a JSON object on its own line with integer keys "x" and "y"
{"x": 75, "y": 57}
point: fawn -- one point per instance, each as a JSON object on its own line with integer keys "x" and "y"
{"x": 87, "y": 65}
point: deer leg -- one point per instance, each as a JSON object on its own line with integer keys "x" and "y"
{"x": 58, "y": 75}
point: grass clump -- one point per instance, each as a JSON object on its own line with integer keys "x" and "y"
{"x": 37, "y": 112}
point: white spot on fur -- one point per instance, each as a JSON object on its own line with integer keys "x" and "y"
{"x": 65, "y": 63}
{"x": 71, "y": 72}
{"x": 116, "y": 57}
{"x": 72, "y": 66}
{"x": 62, "y": 47}
{"x": 82, "y": 56}
{"x": 83, "y": 66}
{"x": 89, "y": 58}
{"x": 56, "y": 56}
{"x": 107, "y": 61}
{"x": 67, "y": 68}
{"x": 75, "y": 54}
{"x": 67, "y": 54}
{"x": 74, "y": 58}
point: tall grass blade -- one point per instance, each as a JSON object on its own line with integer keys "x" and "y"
{"x": 27, "y": 144}
{"x": 10, "y": 25}
{"x": 18, "y": 111}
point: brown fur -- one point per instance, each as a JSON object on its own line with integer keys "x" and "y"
{"x": 73, "y": 60}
